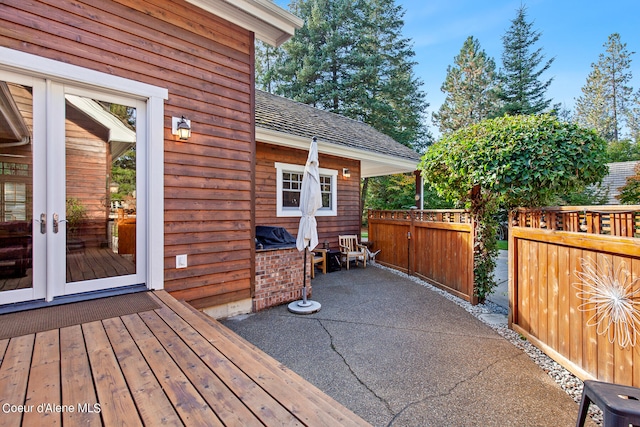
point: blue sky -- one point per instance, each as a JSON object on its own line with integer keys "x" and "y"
{"x": 573, "y": 32}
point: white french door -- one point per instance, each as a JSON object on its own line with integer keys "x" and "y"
{"x": 73, "y": 190}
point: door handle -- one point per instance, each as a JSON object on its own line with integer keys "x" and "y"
{"x": 56, "y": 222}
{"x": 43, "y": 223}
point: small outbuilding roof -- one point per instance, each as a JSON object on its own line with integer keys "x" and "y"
{"x": 282, "y": 121}
{"x": 617, "y": 178}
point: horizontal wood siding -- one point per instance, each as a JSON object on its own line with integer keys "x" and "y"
{"x": 546, "y": 294}
{"x": 329, "y": 227}
{"x": 88, "y": 157}
{"x": 206, "y": 64}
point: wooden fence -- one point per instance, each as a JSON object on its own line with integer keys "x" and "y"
{"x": 435, "y": 245}
{"x": 550, "y": 304}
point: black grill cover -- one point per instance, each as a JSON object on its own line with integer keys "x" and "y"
{"x": 268, "y": 237}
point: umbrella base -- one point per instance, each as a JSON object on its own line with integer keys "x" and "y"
{"x": 301, "y": 307}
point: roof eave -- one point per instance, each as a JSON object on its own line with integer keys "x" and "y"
{"x": 371, "y": 163}
{"x": 268, "y": 21}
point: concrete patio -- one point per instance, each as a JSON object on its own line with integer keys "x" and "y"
{"x": 399, "y": 354}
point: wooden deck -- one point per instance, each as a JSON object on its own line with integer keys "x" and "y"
{"x": 97, "y": 263}
{"x": 170, "y": 366}
{"x": 88, "y": 264}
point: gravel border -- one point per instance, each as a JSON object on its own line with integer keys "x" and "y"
{"x": 571, "y": 384}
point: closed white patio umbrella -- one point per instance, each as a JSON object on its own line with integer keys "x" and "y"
{"x": 307, "y": 239}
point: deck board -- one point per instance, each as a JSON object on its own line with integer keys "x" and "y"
{"x": 153, "y": 405}
{"x": 192, "y": 408}
{"x": 76, "y": 377}
{"x": 224, "y": 403}
{"x": 283, "y": 384}
{"x": 44, "y": 381}
{"x": 116, "y": 404}
{"x": 265, "y": 407}
{"x": 169, "y": 366}
{"x": 14, "y": 374}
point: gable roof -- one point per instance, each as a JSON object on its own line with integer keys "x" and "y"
{"x": 270, "y": 23}
{"x": 282, "y": 121}
{"x": 120, "y": 137}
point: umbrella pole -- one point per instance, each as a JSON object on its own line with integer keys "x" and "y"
{"x": 304, "y": 277}
{"x": 304, "y": 306}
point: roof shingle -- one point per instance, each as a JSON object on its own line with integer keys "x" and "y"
{"x": 280, "y": 114}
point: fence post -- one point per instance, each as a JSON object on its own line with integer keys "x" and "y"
{"x": 473, "y": 298}
{"x": 411, "y": 250}
{"x": 512, "y": 267}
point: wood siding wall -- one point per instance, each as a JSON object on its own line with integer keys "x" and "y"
{"x": 207, "y": 65}
{"x": 329, "y": 227}
{"x": 545, "y": 290}
{"x": 435, "y": 245}
{"x": 88, "y": 156}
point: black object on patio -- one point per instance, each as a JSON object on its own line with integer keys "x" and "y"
{"x": 269, "y": 237}
{"x": 620, "y": 404}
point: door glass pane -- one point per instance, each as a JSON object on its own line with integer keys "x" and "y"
{"x": 16, "y": 186}
{"x": 100, "y": 139}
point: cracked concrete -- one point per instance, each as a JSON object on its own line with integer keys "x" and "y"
{"x": 398, "y": 354}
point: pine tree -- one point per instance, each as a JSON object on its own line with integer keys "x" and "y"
{"x": 607, "y": 102}
{"x": 634, "y": 118}
{"x": 521, "y": 90}
{"x": 316, "y": 65}
{"x": 385, "y": 92}
{"x": 266, "y": 58}
{"x": 350, "y": 58}
{"x": 470, "y": 86}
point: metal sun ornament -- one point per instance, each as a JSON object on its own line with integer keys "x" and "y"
{"x": 610, "y": 293}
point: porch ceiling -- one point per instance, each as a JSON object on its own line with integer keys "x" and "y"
{"x": 268, "y": 21}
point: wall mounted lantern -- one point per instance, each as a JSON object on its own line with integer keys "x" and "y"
{"x": 346, "y": 173}
{"x": 181, "y": 127}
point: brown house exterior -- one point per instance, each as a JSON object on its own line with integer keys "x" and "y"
{"x": 284, "y": 129}
{"x": 195, "y": 203}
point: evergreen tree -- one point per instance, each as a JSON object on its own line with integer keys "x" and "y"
{"x": 522, "y": 91}
{"x": 634, "y": 118}
{"x": 266, "y": 58}
{"x": 316, "y": 67}
{"x": 606, "y": 104}
{"x": 350, "y": 58}
{"x": 385, "y": 92}
{"x": 470, "y": 86}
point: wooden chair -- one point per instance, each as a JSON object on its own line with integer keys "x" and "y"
{"x": 352, "y": 250}
{"x": 319, "y": 257}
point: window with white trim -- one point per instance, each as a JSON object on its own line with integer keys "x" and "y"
{"x": 289, "y": 184}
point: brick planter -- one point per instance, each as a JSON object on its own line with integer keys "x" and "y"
{"x": 279, "y": 277}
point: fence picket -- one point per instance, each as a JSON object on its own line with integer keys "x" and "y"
{"x": 565, "y": 236}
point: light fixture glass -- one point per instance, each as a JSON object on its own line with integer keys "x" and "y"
{"x": 181, "y": 127}
{"x": 346, "y": 173}
{"x": 184, "y": 130}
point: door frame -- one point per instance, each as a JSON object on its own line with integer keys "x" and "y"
{"x": 57, "y": 180}
{"x": 66, "y": 74}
